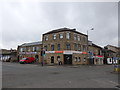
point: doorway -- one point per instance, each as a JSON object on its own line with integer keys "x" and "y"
{"x": 67, "y": 59}
{"x": 52, "y": 59}
{"x": 36, "y": 58}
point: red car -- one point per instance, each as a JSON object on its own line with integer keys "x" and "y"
{"x": 27, "y": 60}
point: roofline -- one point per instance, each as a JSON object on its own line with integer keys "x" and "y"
{"x": 31, "y": 43}
{"x": 62, "y": 30}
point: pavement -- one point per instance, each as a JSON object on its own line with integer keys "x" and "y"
{"x": 15, "y": 75}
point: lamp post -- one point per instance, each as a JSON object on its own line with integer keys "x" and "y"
{"x": 88, "y": 56}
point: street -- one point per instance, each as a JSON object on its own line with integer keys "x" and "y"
{"x": 15, "y": 75}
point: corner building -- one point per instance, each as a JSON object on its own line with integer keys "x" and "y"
{"x": 66, "y": 45}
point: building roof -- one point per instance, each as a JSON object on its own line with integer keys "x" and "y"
{"x": 32, "y": 43}
{"x": 63, "y": 29}
{"x": 112, "y": 46}
{"x": 94, "y": 45}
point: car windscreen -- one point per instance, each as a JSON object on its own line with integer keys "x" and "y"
{"x": 24, "y": 58}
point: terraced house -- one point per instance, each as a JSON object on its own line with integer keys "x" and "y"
{"x": 66, "y": 45}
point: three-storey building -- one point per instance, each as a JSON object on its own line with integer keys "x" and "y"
{"x": 66, "y": 45}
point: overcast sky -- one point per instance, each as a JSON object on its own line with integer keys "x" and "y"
{"x": 26, "y": 22}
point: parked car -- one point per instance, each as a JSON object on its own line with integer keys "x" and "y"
{"x": 27, "y": 60}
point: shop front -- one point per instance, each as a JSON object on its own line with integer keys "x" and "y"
{"x": 98, "y": 60}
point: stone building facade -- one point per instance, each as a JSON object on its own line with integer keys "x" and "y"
{"x": 95, "y": 54}
{"x": 8, "y": 55}
{"x": 30, "y": 50}
{"x": 65, "y": 45}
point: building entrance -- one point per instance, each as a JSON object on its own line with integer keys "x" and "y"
{"x": 36, "y": 58}
{"x": 52, "y": 59}
{"x": 67, "y": 59}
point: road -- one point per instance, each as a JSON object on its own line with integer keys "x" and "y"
{"x": 17, "y": 75}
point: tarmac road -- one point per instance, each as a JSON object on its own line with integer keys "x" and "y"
{"x": 17, "y": 75}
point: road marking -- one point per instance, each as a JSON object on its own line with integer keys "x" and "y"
{"x": 114, "y": 82}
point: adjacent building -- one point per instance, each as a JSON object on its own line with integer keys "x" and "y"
{"x": 111, "y": 54}
{"x": 65, "y": 45}
{"x": 95, "y": 54}
{"x": 8, "y": 55}
{"x": 30, "y": 50}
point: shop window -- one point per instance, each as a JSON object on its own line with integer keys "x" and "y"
{"x": 79, "y": 59}
{"x": 75, "y": 59}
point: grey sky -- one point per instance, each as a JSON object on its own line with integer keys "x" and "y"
{"x": 26, "y": 22}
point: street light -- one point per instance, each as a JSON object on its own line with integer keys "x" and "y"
{"x": 88, "y": 43}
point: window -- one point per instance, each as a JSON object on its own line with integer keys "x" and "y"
{"x": 84, "y": 39}
{"x": 75, "y": 59}
{"x": 78, "y": 37}
{"x": 54, "y": 36}
{"x": 68, "y": 46}
{"x": 45, "y": 47}
{"x": 29, "y": 48}
{"x": 61, "y": 36}
{"x": 67, "y": 35}
{"x": 34, "y": 49}
{"x": 76, "y": 46}
{"x": 21, "y": 49}
{"x": 46, "y": 38}
{"x": 75, "y": 37}
{"x": 37, "y": 48}
{"x": 58, "y": 46}
{"x": 84, "y": 48}
{"x": 79, "y": 59}
{"x": 58, "y": 58}
{"x": 79, "y": 47}
{"x": 52, "y": 47}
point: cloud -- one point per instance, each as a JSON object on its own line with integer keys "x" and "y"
{"x": 26, "y": 22}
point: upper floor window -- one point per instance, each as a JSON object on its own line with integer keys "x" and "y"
{"x": 67, "y": 35}
{"x": 76, "y": 46}
{"x": 34, "y": 48}
{"x": 68, "y": 46}
{"x": 37, "y": 48}
{"x": 61, "y": 36}
{"x": 46, "y": 38}
{"x": 54, "y": 36}
{"x": 21, "y": 49}
{"x": 45, "y": 47}
{"x": 58, "y": 46}
{"x": 75, "y": 37}
{"x": 29, "y": 48}
{"x": 52, "y": 47}
{"x": 78, "y": 37}
{"x": 84, "y": 48}
{"x": 84, "y": 39}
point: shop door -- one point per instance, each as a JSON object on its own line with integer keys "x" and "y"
{"x": 67, "y": 59}
{"x": 52, "y": 59}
